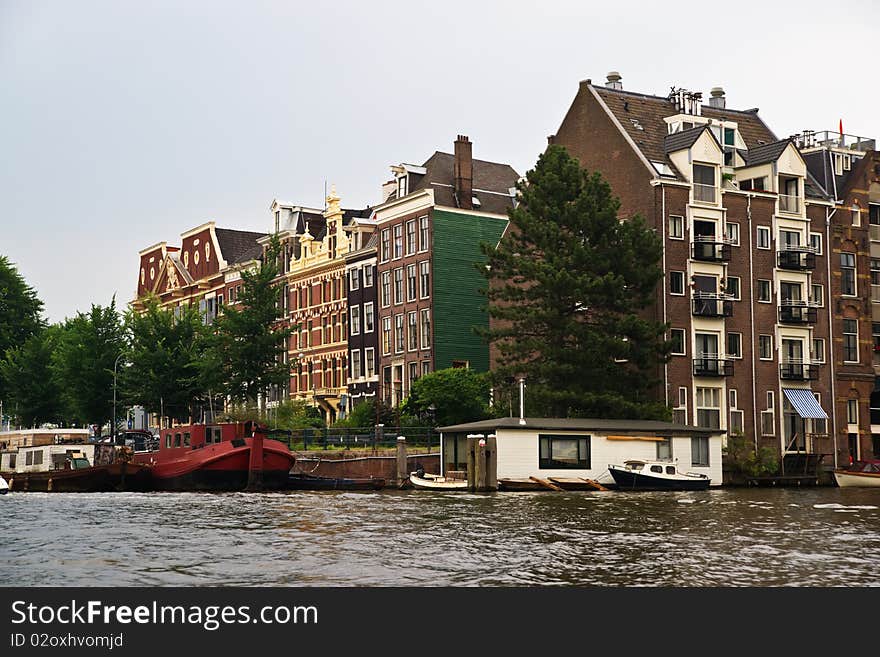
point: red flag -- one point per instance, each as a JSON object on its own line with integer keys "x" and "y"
{"x": 841, "y": 128}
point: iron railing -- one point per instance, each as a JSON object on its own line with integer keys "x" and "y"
{"x": 711, "y": 365}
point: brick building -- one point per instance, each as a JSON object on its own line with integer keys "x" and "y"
{"x": 363, "y": 332}
{"x": 766, "y": 284}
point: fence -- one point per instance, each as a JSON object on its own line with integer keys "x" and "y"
{"x": 362, "y": 437}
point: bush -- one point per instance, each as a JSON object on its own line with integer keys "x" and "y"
{"x": 741, "y": 455}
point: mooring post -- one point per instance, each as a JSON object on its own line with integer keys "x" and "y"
{"x": 492, "y": 462}
{"x": 471, "y": 462}
{"x": 402, "y": 471}
{"x": 480, "y": 464}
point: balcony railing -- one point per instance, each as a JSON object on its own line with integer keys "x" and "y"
{"x": 797, "y": 312}
{"x": 789, "y": 203}
{"x": 797, "y": 258}
{"x": 712, "y": 304}
{"x": 711, "y": 365}
{"x": 708, "y": 249}
{"x": 798, "y": 370}
{"x": 875, "y": 232}
{"x": 705, "y": 193}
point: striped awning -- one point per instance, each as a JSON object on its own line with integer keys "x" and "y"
{"x": 804, "y": 402}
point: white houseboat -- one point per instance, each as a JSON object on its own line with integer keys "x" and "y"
{"x": 560, "y": 451}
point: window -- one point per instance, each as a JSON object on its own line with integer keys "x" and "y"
{"x": 398, "y": 285}
{"x": 704, "y": 183}
{"x": 369, "y": 361}
{"x": 732, "y": 398}
{"x": 386, "y": 289}
{"x": 354, "y": 326}
{"x": 426, "y": 328}
{"x": 700, "y": 451}
{"x": 856, "y": 216}
{"x": 664, "y": 449}
{"x": 425, "y": 279}
{"x": 386, "y": 335}
{"x": 816, "y": 242}
{"x": 413, "y": 330}
{"x": 764, "y": 292}
{"x": 818, "y": 350}
{"x": 733, "y": 233}
{"x": 411, "y": 283}
{"x": 368, "y": 317}
{"x": 401, "y": 186}
{"x": 676, "y": 227}
{"x": 426, "y": 367}
{"x": 734, "y": 345}
{"x": 385, "y": 251}
{"x": 399, "y": 339}
{"x": 763, "y": 237}
{"x": 817, "y": 294}
{"x": 368, "y": 276}
{"x": 423, "y": 234}
{"x": 679, "y": 413}
{"x": 852, "y": 411}
{"x": 676, "y": 283}
{"x": 850, "y": 341}
{"x": 736, "y": 421}
{"x": 356, "y": 371}
{"x": 765, "y": 347}
{"x": 875, "y": 335}
{"x": 563, "y": 452}
{"x": 410, "y": 237}
{"x": 820, "y": 425}
{"x": 677, "y": 340}
{"x": 398, "y": 241}
{"x": 732, "y": 287}
{"x": 354, "y": 279}
{"x": 848, "y": 274}
{"x": 768, "y": 423}
{"x": 875, "y": 271}
{"x": 413, "y": 373}
{"x": 708, "y": 404}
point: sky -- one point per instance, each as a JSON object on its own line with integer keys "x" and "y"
{"x": 124, "y": 124}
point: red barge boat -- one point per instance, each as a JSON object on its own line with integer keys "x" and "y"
{"x": 218, "y": 457}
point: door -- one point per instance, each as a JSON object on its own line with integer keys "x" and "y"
{"x": 705, "y": 286}
{"x": 793, "y": 428}
{"x": 706, "y": 353}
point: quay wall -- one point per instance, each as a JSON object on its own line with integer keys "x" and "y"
{"x": 365, "y": 466}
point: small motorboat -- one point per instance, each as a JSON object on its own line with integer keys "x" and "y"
{"x": 421, "y": 479}
{"x": 4, "y": 487}
{"x": 860, "y": 474}
{"x": 305, "y": 481}
{"x": 656, "y": 475}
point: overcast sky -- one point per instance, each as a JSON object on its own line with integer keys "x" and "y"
{"x": 127, "y": 123}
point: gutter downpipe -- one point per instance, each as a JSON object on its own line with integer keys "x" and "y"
{"x": 663, "y": 294}
{"x": 828, "y": 215}
{"x": 752, "y": 324}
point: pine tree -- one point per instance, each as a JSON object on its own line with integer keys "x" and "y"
{"x": 568, "y": 288}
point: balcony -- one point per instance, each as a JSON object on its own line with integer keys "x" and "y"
{"x": 707, "y": 249}
{"x": 789, "y": 203}
{"x": 797, "y": 258}
{"x": 712, "y": 304}
{"x": 711, "y": 365}
{"x": 874, "y": 230}
{"x": 705, "y": 193}
{"x": 797, "y": 312}
{"x": 798, "y": 370}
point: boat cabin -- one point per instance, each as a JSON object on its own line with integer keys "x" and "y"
{"x": 44, "y": 458}
{"x": 188, "y": 437}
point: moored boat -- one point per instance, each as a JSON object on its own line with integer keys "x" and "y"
{"x": 219, "y": 457}
{"x": 4, "y": 487}
{"x": 425, "y": 481}
{"x": 863, "y": 474}
{"x": 304, "y": 481}
{"x": 656, "y": 475}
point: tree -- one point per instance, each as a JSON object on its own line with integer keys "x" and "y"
{"x": 567, "y": 288}
{"x": 87, "y": 350}
{"x": 33, "y": 391}
{"x": 245, "y": 352}
{"x": 20, "y": 311}
{"x": 162, "y": 352}
{"x": 457, "y": 394}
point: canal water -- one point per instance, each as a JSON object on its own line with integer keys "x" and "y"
{"x": 730, "y": 537}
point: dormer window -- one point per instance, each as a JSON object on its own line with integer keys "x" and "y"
{"x": 401, "y": 186}
{"x": 704, "y": 183}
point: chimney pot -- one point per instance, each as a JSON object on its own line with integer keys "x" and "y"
{"x": 614, "y": 80}
{"x": 717, "y": 99}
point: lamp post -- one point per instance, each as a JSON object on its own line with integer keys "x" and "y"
{"x": 113, "y": 427}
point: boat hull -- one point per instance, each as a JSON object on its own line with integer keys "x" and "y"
{"x": 439, "y": 483}
{"x": 846, "y": 479}
{"x": 629, "y": 480}
{"x": 311, "y": 482}
{"x": 97, "y": 479}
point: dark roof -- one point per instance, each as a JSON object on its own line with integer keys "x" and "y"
{"x": 348, "y": 215}
{"x": 678, "y": 141}
{"x": 580, "y": 424}
{"x": 766, "y": 152}
{"x": 238, "y": 245}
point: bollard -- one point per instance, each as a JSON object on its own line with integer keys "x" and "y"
{"x": 471, "y": 462}
{"x": 492, "y": 462}
{"x": 480, "y": 466}
{"x": 402, "y": 470}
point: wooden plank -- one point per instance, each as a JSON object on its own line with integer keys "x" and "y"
{"x": 546, "y": 484}
{"x": 595, "y": 484}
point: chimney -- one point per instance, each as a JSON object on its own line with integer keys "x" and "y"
{"x": 388, "y": 188}
{"x": 463, "y": 172}
{"x": 614, "y": 80}
{"x": 717, "y": 99}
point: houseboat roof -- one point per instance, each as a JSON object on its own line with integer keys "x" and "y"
{"x": 581, "y": 424}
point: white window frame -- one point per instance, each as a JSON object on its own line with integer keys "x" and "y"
{"x": 396, "y": 239}
{"x": 385, "y": 245}
{"x": 760, "y": 350}
{"x": 385, "y": 297}
{"x": 424, "y": 279}
{"x": 356, "y": 364}
{"x": 844, "y": 334}
{"x": 387, "y": 330}
{"x": 683, "y": 285}
{"x": 817, "y": 356}
{"x": 852, "y": 412}
{"x": 399, "y": 333}
{"x": 676, "y": 219}
{"x": 683, "y": 341}
{"x": 397, "y": 300}
{"x": 734, "y": 240}
{"x": 369, "y": 361}
{"x": 764, "y": 230}
{"x": 424, "y": 233}
{"x": 412, "y": 268}
{"x": 354, "y": 322}
{"x": 769, "y": 287}
{"x": 412, "y": 327}
{"x": 738, "y": 279}
{"x": 727, "y": 344}
{"x": 818, "y": 240}
{"x": 369, "y": 312}
{"x": 354, "y": 279}
{"x": 820, "y": 299}
{"x": 855, "y": 270}
{"x": 423, "y": 332}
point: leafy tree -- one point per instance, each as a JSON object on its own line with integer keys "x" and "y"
{"x": 743, "y": 459}
{"x": 20, "y": 311}
{"x": 566, "y": 289}
{"x": 364, "y": 415}
{"x": 83, "y": 362}
{"x": 457, "y": 394}
{"x": 244, "y": 354}
{"x": 162, "y": 350}
{"x": 26, "y": 371}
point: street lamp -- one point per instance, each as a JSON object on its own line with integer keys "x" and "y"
{"x": 113, "y": 427}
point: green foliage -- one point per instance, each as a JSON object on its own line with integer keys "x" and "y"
{"x": 743, "y": 458}
{"x": 457, "y": 394}
{"x": 33, "y": 391}
{"x": 83, "y": 361}
{"x": 20, "y": 312}
{"x": 295, "y": 414}
{"x": 244, "y": 355}
{"x": 162, "y": 355}
{"x": 567, "y": 288}
{"x": 364, "y": 415}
